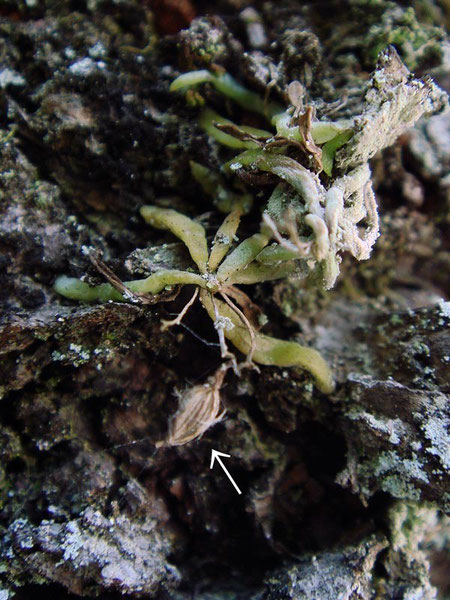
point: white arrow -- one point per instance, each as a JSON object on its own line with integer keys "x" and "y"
{"x": 216, "y": 455}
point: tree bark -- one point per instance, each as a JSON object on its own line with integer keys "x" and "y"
{"x": 343, "y": 496}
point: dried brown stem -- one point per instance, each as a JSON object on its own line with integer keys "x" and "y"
{"x": 118, "y": 285}
{"x": 166, "y": 324}
{"x": 248, "y": 361}
{"x": 219, "y": 326}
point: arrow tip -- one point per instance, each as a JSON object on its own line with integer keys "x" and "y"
{"x": 216, "y": 454}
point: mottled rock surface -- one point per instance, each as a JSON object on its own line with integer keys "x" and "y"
{"x": 343, "y": 496}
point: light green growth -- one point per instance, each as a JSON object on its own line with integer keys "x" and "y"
{"x": 257, "y": 273}
{"x": 209, "y": 180}
{"x": 276, "y": 253}
{"x": 285, "y": 126}
{"x": 217, "y": 275}
{"x": 242, "y": 256}
{"x": 191, "y": 79}
{"x": 314, "y": 218}
{"x": 272, "y": 351}
{"x": 75, "y": 289}
{"x": 191, "y": 233}
{"x": 321, "y": 131}
{"x": 286, "y": 168}
{"x": 330, "y": 148}
{"x": 209, "y": 120}
{"x": 416, "y": 41}
{"x": 230, "y": 88}
{"x": 323, "y": 205}
{"x": 224, "y": 238}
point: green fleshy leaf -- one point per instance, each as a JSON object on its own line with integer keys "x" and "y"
{"x": 188, "y": 231}
{"x": 330, "y": 148}
{"x": 269, "y": 350}
{"x": 241, "y": 256}
{"x": 75, "y": 289}
{"x": 229, "y": 87}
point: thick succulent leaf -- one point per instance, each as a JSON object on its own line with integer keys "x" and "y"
{"x": 209, "y": 119}
{"x": 242, "y": 256}
{"x": 191, "y": 233}
{"x": 288, "y": 169}
{"x": 256, "y": 273}
{"x": 228, "y": 86}
{"x": 276, "y": 253}
{"x": 321, "y": 131}
{"x": 269, "y": 350}
{"x": 75, "y": 289}
{"x": 224, "y": 239}
{"x": 214, "y": 186}
{"x": 191, "y": 79}
{"x": 330, "y": 148}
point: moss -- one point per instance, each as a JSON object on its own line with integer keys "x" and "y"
{"x": 417, "y": 42}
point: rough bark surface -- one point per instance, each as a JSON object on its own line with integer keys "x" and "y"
{"x": 344, "y": 496}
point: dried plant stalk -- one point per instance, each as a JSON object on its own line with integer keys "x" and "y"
{"x": 198, "y": 410}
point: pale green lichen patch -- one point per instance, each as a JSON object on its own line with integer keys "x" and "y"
{"x": 412, "y": 527}
{"x": 436, "y": 428}
{"x": 394, "y": 429}
{"x": 398, "y": 441}
{"x": 416, "y": 41}
{"x": 400, "y": 477}
{"x": 406, "y": 467}
{"x": 118, "y": 553}
{"x": 440, "y": 442}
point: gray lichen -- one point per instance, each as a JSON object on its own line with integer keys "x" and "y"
{"x": 343, "y": 574}
{"x": 394, "y": 102}
{"x": 80, "y": 497}
{"x": 97, "y": 552}
{"x": 408, "y": 456}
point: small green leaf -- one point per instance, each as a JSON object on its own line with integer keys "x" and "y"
{"x": 188, "y": 231}
{"x": 242, "y": 256}
{"x": 224, "y": 239}
{"x": 256, "y": 273}
{"x": 75, "y": 289}
{"x": 330, "y": 148}
{"x": 276, "y": 253}
{"x": 191, "y": 79}
{"x": 285, "y": 167}
{"x": 229, "y": 87}
{"x": 269, "y": 350}
{"x": 207, "y": 121}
